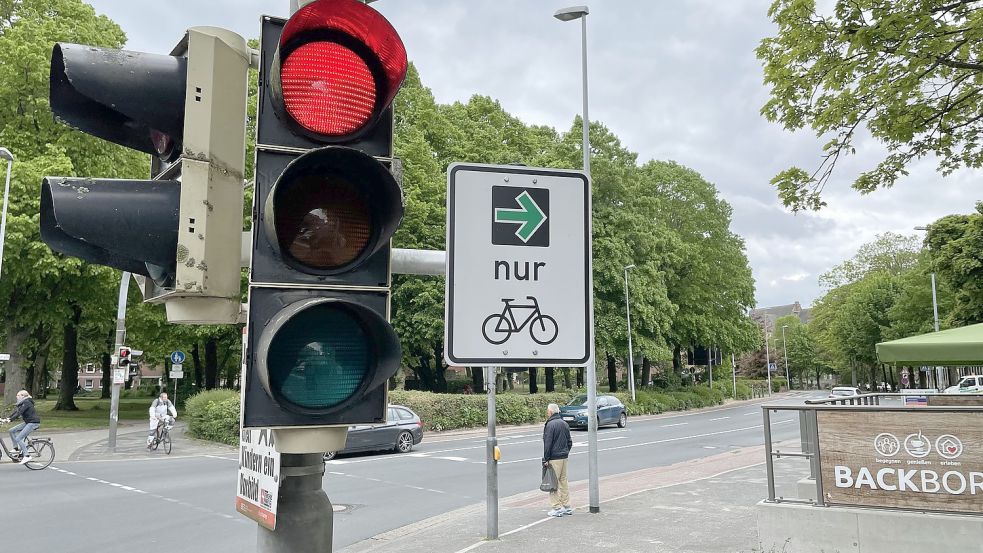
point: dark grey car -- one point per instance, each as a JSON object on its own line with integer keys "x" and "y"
{"x": 610, "y": 410}
{"x": 402, "y": 430}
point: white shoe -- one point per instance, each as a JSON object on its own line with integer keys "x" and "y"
{"x": 567, "y": 510}
{"x": 26, "y": 459}
{"x": 558, "y": 512}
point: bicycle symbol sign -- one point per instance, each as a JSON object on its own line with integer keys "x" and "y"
{"x": 499, "y": 327}
{"x": 518, "y": 267}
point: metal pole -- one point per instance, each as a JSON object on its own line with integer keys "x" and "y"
{"x": 817, "y": 458}
{"x": 733, "y": 365}
{"x": 491, "y": 465}
{"x": 586, "y": 122}
{"x": 305, "y": 518}
{"x": 769, "y": 460}
{"x": 3, "y": 220}
{"x": 768, "y": 362}
{"x": 631, "y": 358}
{"x": 935, "y": 314}
{"x": 710, "y": 365}
{"x": 593, "y": 491}
{"x": 788, "y": 378}
{"x": 124, "y": 286}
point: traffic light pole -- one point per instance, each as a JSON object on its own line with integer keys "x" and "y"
{"x": 305, "y": 518}
{"x": 491, "y": 495}
{"x": 124, "y": 286}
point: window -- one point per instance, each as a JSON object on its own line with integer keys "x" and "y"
{"x": 393, "y": 417}
{"x": 88, "y": 384}
{"x": 404, "y": 414}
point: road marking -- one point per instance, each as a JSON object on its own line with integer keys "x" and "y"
{"x": 709, "y": 447}
{"x": 581, "y": 444}
{"x": 718, "y": 419}
{"x": 666, "y": 440}
{"x": 676, "y": 424}
{"x": 752, "y": 413}
{"x": 452, "y": 458}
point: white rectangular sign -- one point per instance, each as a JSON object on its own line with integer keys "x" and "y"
{"x": 259, "y": 476}
{"x": 177, "y": 374}
{"x": 4, "y": 357}
{"x": 519, "y": 288}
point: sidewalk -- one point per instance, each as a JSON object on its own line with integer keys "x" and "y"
{"x": 131, "y": 443}
{"x": 700, "y": 506}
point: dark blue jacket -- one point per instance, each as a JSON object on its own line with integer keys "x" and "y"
{"x": 26, "y": 411}
{"x": 556, "y": 439}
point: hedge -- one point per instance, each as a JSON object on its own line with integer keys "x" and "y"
{"x": 214, "y": 415}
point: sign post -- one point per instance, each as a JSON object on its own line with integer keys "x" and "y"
{"x": 519, "y": 288}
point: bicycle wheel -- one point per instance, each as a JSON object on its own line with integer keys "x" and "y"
{"x": 42, "y": 454}
{"x": 497, "y": 328}
{"x": 543, "y": 329}
{"x": 167, "y": 443}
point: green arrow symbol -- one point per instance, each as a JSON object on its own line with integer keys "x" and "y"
{"x": 529, "y": 215}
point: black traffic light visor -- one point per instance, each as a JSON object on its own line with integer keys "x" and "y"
{"x": 130, "y": 225}
{"x": 129, "y": 98}
{"x": 331, "y": 209}
{"x": 321, "y": 355}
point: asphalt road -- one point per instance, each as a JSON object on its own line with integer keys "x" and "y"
{"x": 188, "y": 503}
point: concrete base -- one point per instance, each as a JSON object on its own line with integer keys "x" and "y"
{"x": 806, "y": 489}
{"x": 791, "y": 528}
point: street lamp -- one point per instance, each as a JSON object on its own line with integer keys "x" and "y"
{"x": 570, "y": 14}
{"x": 935, "y": 307}
{"x": 767, "y": 360}
{"x": 5, "y": 154}
{"x": 788, "y": 379}
{"x": 631, "y": 359}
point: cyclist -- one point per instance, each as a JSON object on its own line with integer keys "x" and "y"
{"x": 31, "y": 421}
{"x": 159, "y": 411}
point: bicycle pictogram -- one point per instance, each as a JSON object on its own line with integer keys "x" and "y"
{"x": 499, "y": 327}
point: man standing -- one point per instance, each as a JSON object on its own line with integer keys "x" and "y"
{"x": 31, "y": 422}
{"x": 556, "y": 449}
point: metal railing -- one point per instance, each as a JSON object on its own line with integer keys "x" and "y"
{"x": 809, "y": 432}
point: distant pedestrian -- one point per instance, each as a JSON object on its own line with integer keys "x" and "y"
{"x": 556, "y": 450}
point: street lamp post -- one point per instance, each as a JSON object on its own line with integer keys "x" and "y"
{"x": 570, "y": 14}
{"x": 935, "y": 311}
{"x": 768, "y": 361}
{"x": 788, "y": 379}
{"x": 5, "y": 154}
{"x": 631, "y": 358}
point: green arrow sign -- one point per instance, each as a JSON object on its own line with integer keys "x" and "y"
{"x": 529, "y": 216}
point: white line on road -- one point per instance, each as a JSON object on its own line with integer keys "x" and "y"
{"x": 718, "y": 419}
{"x": 675, "y": 424}
{"x": 452, "y": 458}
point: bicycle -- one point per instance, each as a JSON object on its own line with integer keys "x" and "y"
{"x": 162, "y": 436}
{"x": 41, "y": 451}
{"x": 543, "y": 329}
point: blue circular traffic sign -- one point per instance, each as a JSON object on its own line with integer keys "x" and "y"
{"x": 177, "y": 357}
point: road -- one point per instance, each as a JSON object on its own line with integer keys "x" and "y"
{"x": 187, "y": 502}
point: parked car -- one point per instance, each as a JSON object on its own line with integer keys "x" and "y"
{"x": 402, "y": 430}
{"x": 610, "y": 410}
{"x": 969, "y": 384}
{"x": 844, "y": 391}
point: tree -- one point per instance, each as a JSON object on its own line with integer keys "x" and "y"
{"x": 909, "y": 71}
{"x": 889, "y": 252}
{"x": 956, "y": 242}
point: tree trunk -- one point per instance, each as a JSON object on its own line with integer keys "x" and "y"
{"x": 818, "y": 385}
{"x": 580, "y": 377}
{"x": 15, "y": 367}
{"x": 105, "y": 363}
{"x": 533, "y": 385}
{"x": 646, "y": 371}
{"x": 477, "y": 380}
{"x": 550, "y": 380}
{"x": 440, "y": 369}
{"x": 677, "y": 359}
{"x": 39, "y": 382}
{"x": 211, "y": 362}
{"x": 612, "y": 375}
{"x": 196, "y": 359}
{"x": 70, "y": 363}
{"x": 566, "y": 377}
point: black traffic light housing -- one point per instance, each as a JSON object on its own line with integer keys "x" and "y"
{"x": 320, "y": 348}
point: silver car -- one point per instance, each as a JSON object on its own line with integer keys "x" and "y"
{"x": 402, "y": 430}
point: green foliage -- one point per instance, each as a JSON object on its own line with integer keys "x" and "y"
{"x": 907, "y": 70}
{"x": 956, "y": 243}
{"x": 214, "y": 415}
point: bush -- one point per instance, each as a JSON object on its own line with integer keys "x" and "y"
{"x": 448, "y": 412}
{"x": 214, "y": 415}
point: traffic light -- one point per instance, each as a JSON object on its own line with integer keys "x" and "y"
{"x": 326, "y": 204}
{"x": 182, "y": 228}
{"x": 124, "y": 359}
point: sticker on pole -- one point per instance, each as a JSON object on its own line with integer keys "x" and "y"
{"x": 518, "y": 267}
{"x": 259, "y": 476}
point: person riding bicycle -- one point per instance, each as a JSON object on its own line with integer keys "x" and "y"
{"x": 159, "y": 411}
{"x": 31, "y": 421}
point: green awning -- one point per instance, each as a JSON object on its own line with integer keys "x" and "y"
{"x": 957, "y": 346}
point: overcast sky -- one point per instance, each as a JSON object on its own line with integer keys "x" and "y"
{"x": 672, "y": 79}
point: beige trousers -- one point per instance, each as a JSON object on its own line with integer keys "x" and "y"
{"x": 561, "y": 497}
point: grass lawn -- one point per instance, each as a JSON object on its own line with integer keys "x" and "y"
{"x": 92, "y": 413}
